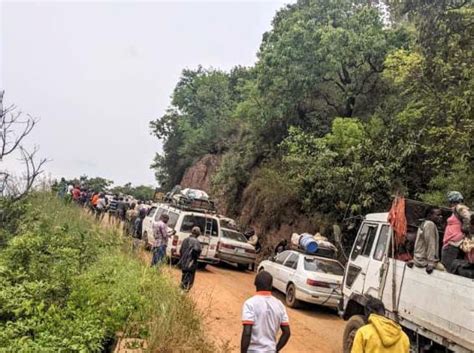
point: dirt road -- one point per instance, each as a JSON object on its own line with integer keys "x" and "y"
{"x": 219, "y": 293}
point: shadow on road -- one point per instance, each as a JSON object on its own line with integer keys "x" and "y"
{"x": 231, "y": 267}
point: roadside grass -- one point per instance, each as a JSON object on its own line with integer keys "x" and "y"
{"x": 68, "y": 284}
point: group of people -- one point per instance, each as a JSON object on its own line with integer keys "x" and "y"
{"x": 263, "y": 316}
{"x": 189, "y": 252}
{"x": 457, "y": 246}
{"x": 131, "y": 213}
{"x": 95, "y": 201}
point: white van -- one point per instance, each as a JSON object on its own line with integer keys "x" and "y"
{"x": 180, "y": 223}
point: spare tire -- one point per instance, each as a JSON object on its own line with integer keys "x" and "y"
{"x": 354, "y": 323}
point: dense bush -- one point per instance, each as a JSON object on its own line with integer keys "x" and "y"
{"x": 271, "y": 197}
{"x": 68, "y": 284}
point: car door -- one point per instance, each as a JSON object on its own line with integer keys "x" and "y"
{"x": 288, "y": 270}
{"x": 274, "y": 269}
{"x": 147, "y": 227}
{"x": 211, "y": 232}
{"x": 207, "y": 226}
{"x": 376, "y": 268}
{"x": 356, "y": 269}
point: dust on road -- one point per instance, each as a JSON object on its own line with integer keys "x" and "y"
{"x": 220, "y": 291}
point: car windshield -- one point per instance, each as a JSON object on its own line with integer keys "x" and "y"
{"x": 318, "y": 265}
{"x": 230, "y": 234}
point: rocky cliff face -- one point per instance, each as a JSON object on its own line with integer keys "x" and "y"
{"x": 199, "y": 175}
{"x": 271, "y": 231}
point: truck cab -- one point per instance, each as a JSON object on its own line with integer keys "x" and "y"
{"x": 435, "y": 310}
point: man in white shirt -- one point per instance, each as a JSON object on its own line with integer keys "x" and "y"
{"x": 262, "y": 316}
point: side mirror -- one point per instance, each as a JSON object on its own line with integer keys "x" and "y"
{"x": 272, "y": 258}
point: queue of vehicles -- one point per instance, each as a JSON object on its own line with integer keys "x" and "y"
{"x": 436, "y": 311}
{"x": 220, "y": 240}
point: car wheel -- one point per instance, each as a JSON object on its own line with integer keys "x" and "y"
{"x": 290, "y": 298}
{"x": 354, "y": 323}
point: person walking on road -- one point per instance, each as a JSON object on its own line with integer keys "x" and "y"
{"x": 122, "y": 207}
{"x": 160, "y": 233}
{"x": 262, "y": 317}
{"x": 100, "y": 206}
{"x": 112, "y": 208}
{"x": 253, "y": 240}
{"x": 380, "y": 335}
{"x": 190, "y": 251}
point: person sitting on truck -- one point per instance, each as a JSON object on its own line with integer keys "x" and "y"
{"x": 262, "y": 317}
{"x": 457, "y": 228}
{"x": 427, "y": 242}
{"x": 188, "y": 261}
{"x": 380, "y": 335}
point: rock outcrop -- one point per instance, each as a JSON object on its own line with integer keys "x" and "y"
{"x": 199, "y": 175}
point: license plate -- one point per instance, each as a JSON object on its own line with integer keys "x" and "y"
{"x": 240, "y": 251}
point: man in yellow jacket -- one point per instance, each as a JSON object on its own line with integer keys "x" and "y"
{"x": 380, "y": 335}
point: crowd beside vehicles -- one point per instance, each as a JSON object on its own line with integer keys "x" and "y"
{"x": 418, "y": 265}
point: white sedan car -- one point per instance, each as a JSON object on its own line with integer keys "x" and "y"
{"x": 307, "y": 278}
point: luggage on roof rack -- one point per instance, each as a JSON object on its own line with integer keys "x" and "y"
{"x": 190, "y": 200}
{"x": 313, "y": 245}
{"x": 188, "y": 204}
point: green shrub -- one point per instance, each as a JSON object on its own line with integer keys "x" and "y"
{"x": 69, "y": 285}
{"x": 271, "y": 197}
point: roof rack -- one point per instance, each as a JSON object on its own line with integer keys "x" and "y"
{"x": 187, "y": 204}
{"x": 321, "y": 252}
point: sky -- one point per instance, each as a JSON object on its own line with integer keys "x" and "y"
{"x": 96, "y": 73}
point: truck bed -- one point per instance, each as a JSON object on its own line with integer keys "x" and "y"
{"x": 441, "y": 303}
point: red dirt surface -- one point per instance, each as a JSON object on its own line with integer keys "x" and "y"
{"x": 220, "y": 291}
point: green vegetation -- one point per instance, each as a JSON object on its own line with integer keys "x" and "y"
{"x": 69, "y": 284}
{"x": 95, "y": 183}
{"x": 343, "y": 107}
{"x": 140, "y": 192}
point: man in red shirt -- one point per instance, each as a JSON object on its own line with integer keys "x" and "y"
{"x": 76, "y": 193}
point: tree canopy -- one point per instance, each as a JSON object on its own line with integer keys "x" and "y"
{"x": 346, "y": 103}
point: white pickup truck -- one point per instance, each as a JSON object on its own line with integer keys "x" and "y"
{"x": 435, "y": 310}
